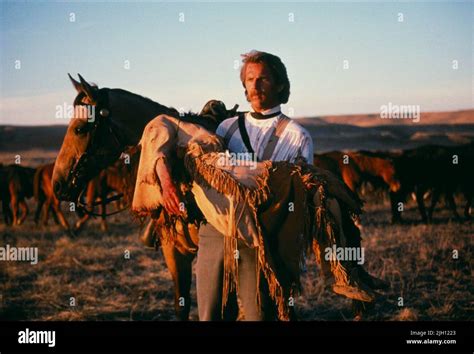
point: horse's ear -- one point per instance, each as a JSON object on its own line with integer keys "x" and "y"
{"x": 75, "y": 83}
{"x": 89, "y": 90}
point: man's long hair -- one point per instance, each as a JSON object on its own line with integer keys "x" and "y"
{"x": 276, "y": 67}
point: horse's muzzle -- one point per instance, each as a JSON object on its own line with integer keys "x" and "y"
{"x": 65, "y": 192}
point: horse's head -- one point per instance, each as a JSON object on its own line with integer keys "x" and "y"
{"x": 91, "y": 142}
{"x": 390, "y": 176}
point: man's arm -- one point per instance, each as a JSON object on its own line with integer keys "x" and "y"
{"x": 222, "y": 128}
{"x": 305, "y": 149}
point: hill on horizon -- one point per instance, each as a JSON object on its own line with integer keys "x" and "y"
{"x": 373, "y": 119}
{"x": 40, "y": 144}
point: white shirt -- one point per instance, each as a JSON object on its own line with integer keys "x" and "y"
{"x": 295, "y": 140}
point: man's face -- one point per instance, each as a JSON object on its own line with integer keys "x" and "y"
{"x": 262, "y": 90}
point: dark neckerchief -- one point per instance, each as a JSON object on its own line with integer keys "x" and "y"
{"x": 264, "y": 116}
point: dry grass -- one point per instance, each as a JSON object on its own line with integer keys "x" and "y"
{"x": 29, "y": 157}
{"x": 417, "y": 259}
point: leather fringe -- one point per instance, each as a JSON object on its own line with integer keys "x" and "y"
{"x": 326, "y": 236}
{"x": 207, "y": 175}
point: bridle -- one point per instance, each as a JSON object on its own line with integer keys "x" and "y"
{"x": 94, "y": 157}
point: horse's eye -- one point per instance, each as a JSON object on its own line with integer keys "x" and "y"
{"x": 80, "y": 130}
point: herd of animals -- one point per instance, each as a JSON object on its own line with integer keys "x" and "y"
{"x": 439, "y": 171}
{"x": 20, "y": 183}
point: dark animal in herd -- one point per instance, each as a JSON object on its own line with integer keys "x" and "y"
{"x": 16, "y": 185}
{"x": 440, "y": 170}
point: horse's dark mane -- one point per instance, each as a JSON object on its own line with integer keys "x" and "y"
{"x": 189, "y": 117}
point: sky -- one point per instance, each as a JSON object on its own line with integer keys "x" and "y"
{"x": 342, "y": 57}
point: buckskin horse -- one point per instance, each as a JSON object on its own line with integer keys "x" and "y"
{"x": 92, "y": 143}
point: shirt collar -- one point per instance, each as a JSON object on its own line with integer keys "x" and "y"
{"x": 269, "y": 111}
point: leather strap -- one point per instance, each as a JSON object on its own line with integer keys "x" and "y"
{"x": 244, "y": 134}
{"x": 274, "y": 137}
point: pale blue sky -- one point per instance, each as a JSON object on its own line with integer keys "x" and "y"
{"x": 183, "y": 64}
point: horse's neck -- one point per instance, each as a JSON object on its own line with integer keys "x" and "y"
{"x": 136, "y": 114}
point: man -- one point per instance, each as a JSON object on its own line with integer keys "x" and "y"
{"x": 267, "y": 134}
{"x": 266, "y": 84}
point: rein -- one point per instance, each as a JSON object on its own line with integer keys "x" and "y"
{"x": 83, "y": 207}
